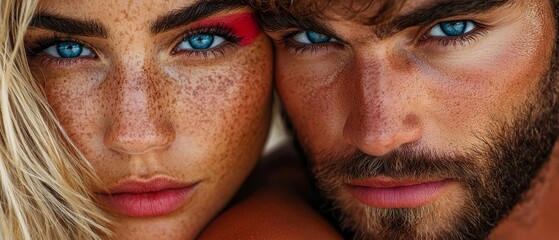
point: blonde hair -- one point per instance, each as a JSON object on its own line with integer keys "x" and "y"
{"x": 44, "y": 180}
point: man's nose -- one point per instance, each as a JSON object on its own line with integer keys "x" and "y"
{"x": 138, "y": 123}
{"x": 382, "y": 114}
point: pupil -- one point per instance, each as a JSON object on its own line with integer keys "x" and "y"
{"x": 315, "y": 37}
{"x": 454, "y": 28}
{"x": 69, "y": 49}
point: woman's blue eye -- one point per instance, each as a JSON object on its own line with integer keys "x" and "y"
{"x": 200, "y": 42}
{"x": 68, "y": 50}
{"x": 310, "y": 37}
{"x": 452, "y": 28}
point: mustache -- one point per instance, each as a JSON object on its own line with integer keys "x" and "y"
{"x": 401, "y": 163}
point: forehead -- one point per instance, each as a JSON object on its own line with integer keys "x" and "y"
{"x": 137, "y": 11}
{"x": 376, "y": 11}
{"x": 116, "y": 8}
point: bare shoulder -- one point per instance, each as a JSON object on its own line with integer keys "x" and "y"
{"x": 270, "y": 215}
{"x": 278, "y": 209}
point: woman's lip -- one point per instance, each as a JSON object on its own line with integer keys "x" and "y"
{"x": 155, "y": 197}
{"x": 385, "y": 192}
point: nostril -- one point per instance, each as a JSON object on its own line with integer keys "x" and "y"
{"x": 138, "y": 139}
{"x": 379, "y": 136}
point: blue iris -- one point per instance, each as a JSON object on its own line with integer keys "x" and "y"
{"x": 201, "y": 41}
{"x": 69, "y": 49}
{"x": 316, "y": 38}
{"x": 454, "y": 28}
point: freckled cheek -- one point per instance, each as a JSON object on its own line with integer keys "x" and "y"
{"x": 313, "y": 100}
{"x": 226, "y": 103}
{"x": 225, "y": 112}
{"x": 78, "y": 108}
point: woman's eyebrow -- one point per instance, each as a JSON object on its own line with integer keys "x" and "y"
{"x": 88, "y": 28}
{"x": 192, "y": 13}
{"x": 174, "y": 19}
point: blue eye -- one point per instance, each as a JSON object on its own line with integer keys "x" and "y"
{"x": 310, "y": 37}
{"x": 200, "y": 42}
{"x": 68, "y": 50}
{"x": 452, "y": 28}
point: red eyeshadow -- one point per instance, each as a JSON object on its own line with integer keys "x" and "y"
{"x": 243, "y": 25}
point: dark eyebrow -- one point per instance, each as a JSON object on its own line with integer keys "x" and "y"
{"x": 282, "y": 20}
{"x": 88, "y": 28}
{"x": 192, "y": 13}
{"x": 441, "y": 10}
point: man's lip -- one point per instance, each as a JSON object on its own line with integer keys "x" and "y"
{"x": 384, "y": 192}
{"x": 387, "y": 182}
{"x": 149, "y": 198}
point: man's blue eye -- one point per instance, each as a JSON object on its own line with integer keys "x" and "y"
{"x": 452, "y": 28}
{"x": 310, "y": 37}
{"x": 200, "y": 42}
{"x": 68, "y": 50}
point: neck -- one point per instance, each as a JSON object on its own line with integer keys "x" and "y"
{"x": 536, "y": 216}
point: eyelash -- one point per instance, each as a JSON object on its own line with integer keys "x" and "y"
{"x": 463, "y": 40}
{"x": 468, "y": 38}
{"x": 35, "y": 49}
{"x": 220, "y": 30}
{"x": 44, "y": 42}
{"x": 287, "y": 42}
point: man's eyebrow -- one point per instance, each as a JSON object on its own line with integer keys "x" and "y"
{"x": 440, "y": 9}
{"x": 443, "y": 9}
{"x": 193, "y": 13}
{"x": 88, "y": 28}
{"x": 278, "y": 21}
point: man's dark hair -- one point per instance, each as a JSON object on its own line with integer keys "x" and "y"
{"x": 306, "y": 8}
{"x": 387, "y": 11}
{"x": 303, "y": 8}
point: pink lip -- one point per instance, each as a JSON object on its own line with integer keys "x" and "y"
{"x": 155, "y": 197}
{"x": 383, "y": 192}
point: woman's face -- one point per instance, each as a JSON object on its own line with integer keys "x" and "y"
{"x": 169, "y": 102}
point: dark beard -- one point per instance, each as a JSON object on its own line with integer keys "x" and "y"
{"x": 495, "y": 176}
{"x": 517, "y": 151}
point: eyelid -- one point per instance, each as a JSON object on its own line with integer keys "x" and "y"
{"x": 469, "y": 27}
{"x": 220, "y": 30}
{"x": 422, "y": 33}
{"x": 288, "y": 34}
{"x": 42, "y": 43}
{"x": 286, "y": 41}
{"x": 54, "y": 47}
{"x": 35, "y": 50}
{"x": 452, "y": 41}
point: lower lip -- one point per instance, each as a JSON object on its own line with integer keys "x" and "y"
{"x": 147, "y": 204}
{"x": 394, "y": 196}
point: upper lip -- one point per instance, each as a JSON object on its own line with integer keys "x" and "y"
{"x": 387, "y": 182}
{"x": 135, "y": 186}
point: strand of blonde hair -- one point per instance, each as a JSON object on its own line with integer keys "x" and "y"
{"x": 44, "y": 180}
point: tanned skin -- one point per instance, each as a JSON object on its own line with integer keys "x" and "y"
{"x": 404, "y": 102}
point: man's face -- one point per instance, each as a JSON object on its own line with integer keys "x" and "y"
{"x": 168, "y": 101}
{"x": 431, "y": 125}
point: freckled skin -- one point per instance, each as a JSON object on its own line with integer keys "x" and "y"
{"x": 376, "y": 95}
{"x": 136, "y": 111}
{"x": 447, "y": 92}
